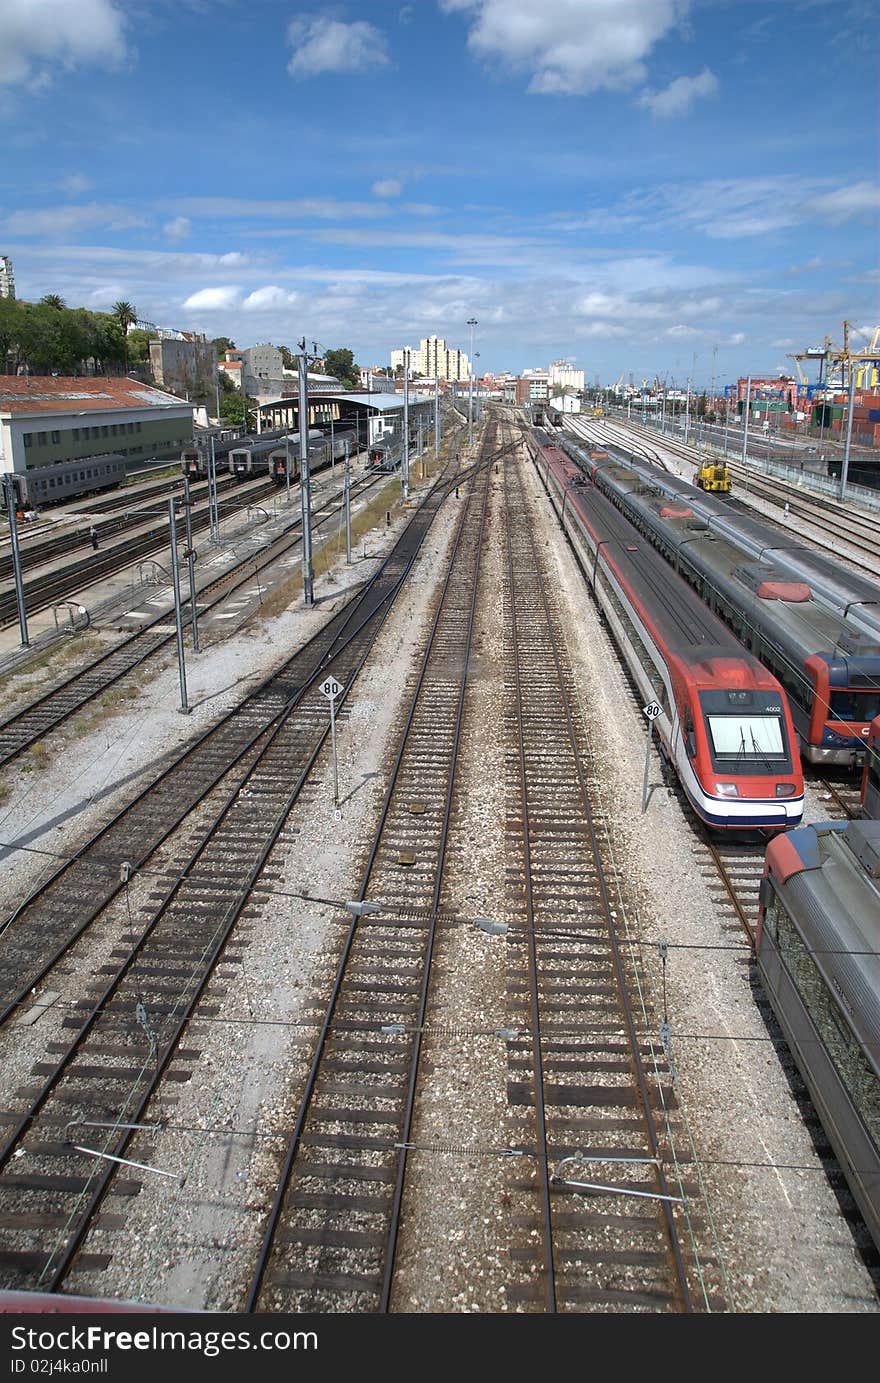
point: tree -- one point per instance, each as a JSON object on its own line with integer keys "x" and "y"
{"x": 233, "y": 407}
{"x": 221, "y": 345}
{"x": 52, "y": 300}
{"x": 340, "y": 364}
{"x": 288, "y": 359}
{"x": 138, "y": 345}
{"x": 126, "y": 316}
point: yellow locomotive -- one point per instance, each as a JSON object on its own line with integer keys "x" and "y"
{"x": 713, "y": 476}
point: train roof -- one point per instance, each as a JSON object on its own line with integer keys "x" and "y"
{"x": 765, "y": 540}
{"x": 829, "y": 878}
{"x": 685, "y": 623}
{"x": 780, "y": 606}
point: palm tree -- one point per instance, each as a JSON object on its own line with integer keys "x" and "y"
{"x": 52, "y": 300}
{"x": 126, "y": 316}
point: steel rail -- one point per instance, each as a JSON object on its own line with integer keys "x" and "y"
{"x": 311, "y": 1081}
{"x": 125, "y": 652}
{"x": 618, "y": 966}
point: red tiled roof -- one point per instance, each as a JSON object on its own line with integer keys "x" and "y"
{"x": 57, "y": 394}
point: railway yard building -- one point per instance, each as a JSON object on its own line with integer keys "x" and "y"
{"x": 50, "y": 421}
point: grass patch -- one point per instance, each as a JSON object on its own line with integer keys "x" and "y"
{"x": 5, "y": 793}
{"x": 371, "y": 518}
{"x": 38, "y": 758}
{"x": 117, "y": 696}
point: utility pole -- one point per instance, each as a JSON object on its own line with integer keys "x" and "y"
{"x": 10, "y": 493}
{"x": 472, "y": 322}
{"x": 687, "y": 410}
{"x": 844, "y": 472}
{"x": 346, "y": 499}
{"x": 404, "y": 465}
{"x": 436, "y": 419}
{"x": 746, "y": 423}
{"x": 213, "y": 507}
{"x": 191, "y": 561}
{"x": 178, "y": 614}
{"x": 305, "y": 495}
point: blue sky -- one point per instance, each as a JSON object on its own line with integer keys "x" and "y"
{"x": 655, "y": 187}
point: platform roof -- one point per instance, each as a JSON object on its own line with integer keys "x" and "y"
{"x": 381, "y": 403}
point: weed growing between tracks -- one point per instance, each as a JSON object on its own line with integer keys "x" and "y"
{"x": 331, "y": 547}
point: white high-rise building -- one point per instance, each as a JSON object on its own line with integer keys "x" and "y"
{"x": 7, "y": 278}
{"x": 434, "y": 359}
{"x": 561, "y": 372}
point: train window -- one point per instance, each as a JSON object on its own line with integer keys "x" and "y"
{"x": 41, "y": 439}
{"x": 28, "y": 438}
{"x": 105, "y": 431}
{"x": 137, "y": 427}
{"x": 56, "y": 437}
{"x": 75, "y": 434}
{"x": 855, "y": 705}
{"x": 834, "y": 1030}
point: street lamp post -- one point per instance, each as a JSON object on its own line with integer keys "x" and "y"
{"x": 472, "y": 322}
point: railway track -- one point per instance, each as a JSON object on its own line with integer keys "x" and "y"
{"x": 46, "y": 590}
{"x": 47, "y": 712}
{"x": 37, "y": 548}
{"x": 331, "y": 1239}
{"x": 614, "y": 1226}
{"x": 63, "y": 1138}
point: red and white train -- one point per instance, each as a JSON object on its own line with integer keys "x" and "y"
{"x": 724, "y": 722}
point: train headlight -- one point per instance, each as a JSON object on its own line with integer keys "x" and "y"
{"x": 785, "y": 789}
{"x": 727, "y": 789}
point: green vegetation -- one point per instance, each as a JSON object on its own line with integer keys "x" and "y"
{"x": 221, "y": 345}
{"x": 341, "y": 364}
{"x": 48, "y": 336}
{"x": 233, "y": 404}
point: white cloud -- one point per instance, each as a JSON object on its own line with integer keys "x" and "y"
{"x": 178, "y": 229}
{"x": 327, "y": 45}
{"x": 312, "y": 208}
{"x": 844, "y": 203}
{"x": 571, "y": 47}
{"x": 680, "y": 95}
{"x": 75, "y": 184}
{"x": 63, "y": 220}
{"x": 387, "y": 187}
{"x": 212, "y": 300}
{"x": 68, "y": 33}
{"x": 268, "y": 299}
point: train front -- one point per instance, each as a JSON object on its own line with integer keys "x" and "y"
{"x": 748, "y": 763}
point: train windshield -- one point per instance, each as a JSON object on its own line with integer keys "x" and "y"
{"x": 855, "y": 704}
{"x": 746, "y": 736}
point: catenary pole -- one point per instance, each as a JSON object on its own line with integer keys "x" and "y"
{"x": 404, "y": 468}
{"x": 178, "y": 613}
{"x": 11, "y": 504}
{"x": 746, "y": 421}
{"x": 191, "y": 562}
{"x": 304, "y": 487}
